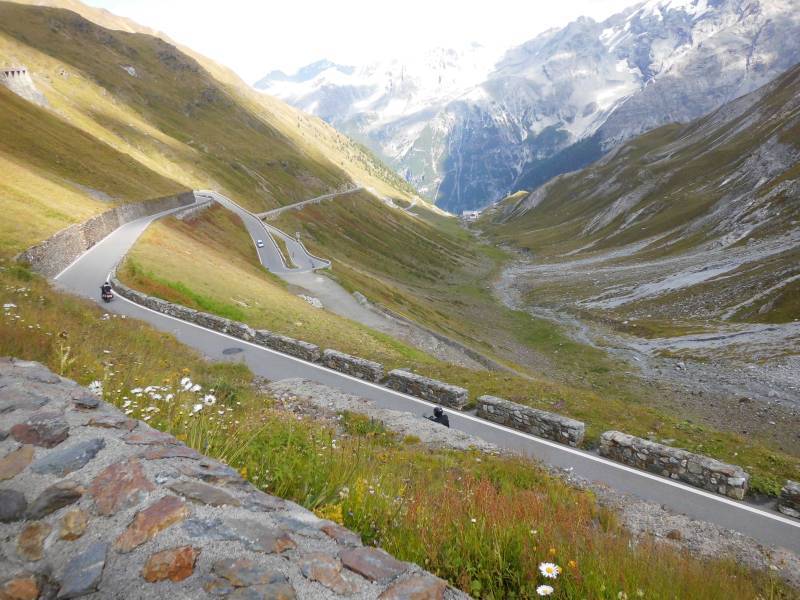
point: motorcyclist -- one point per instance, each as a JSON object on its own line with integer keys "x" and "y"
{"x": 440, "y": 417}
{"x": 105, "y": 289}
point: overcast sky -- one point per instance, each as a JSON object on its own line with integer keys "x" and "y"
{"x": 253, "y": 37}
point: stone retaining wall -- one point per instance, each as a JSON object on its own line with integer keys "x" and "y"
{"x": 697, "y": 470}
{"x": 281, "y": 343}
{"x": 531, "y": 420}
{"x": 56, "y": 253}
{"x": 274, "y": 341}
{"x": 95, "y": 504}
{"x": 675, "y": 463}
{"x": 427, "y": 388}
{"x": 789, "y": 502}
{"x": 352, "y": 365}
{"x": 194, "y": 211}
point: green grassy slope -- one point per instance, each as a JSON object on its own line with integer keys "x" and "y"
{"x": 313, "y": 135}
{"x": 228, "y": 143}
{"x": 108, "y": 136}
{"x": 54, "y": 174}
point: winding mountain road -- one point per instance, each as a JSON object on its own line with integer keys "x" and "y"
{"x": 270, "y": 255}
{"x": 299, "y": 205}
{"x": 86, "y": 274}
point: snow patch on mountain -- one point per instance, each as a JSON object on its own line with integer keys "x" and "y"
{"x": 469, "y": 126}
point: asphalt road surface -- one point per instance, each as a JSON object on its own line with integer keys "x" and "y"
{"x": 86, "y": 274}
{"x": 270, "y": 255}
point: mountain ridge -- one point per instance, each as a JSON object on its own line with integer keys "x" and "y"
{"x": 656, "y": 62}
{"x": 710, "y": 207}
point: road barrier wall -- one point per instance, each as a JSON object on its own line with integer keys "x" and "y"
{"x": 531, "y": 420}
{"x": 290, "y": 346}
{"x": 194, "y": 211}
{"x": 789, "y": 501}
{"x": 60, "y": 250}
{"x": 695, "y": 469}
{"x": 281, "y": 343}
{"x": 352, "y": 365}
{"x": 427, "y": 388}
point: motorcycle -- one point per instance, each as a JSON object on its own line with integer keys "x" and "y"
{"x": 107, "y": 296}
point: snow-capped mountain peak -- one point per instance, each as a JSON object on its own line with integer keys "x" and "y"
{"x": 468, "y": 126}
{"x": 385, "y": 89}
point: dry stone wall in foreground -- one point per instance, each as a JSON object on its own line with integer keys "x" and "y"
{"x": 95, "y": 504}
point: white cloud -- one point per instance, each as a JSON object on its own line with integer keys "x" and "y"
{"x": 255, "y": 37}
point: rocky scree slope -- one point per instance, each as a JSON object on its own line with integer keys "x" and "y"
{"x": 698, "y": 221}
{"x": 467, "y": 131}
{"x": 93, "y": 503}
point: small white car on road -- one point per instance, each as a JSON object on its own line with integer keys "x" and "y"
{"x": 260, "y": 243}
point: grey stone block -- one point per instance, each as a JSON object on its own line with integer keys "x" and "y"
{"x": 531, "y": 420}
{"x": 83, "y": 572}
{"x": 789, "y": 501}
{"x": 427, "y": 388}
{"x": 352, "y": 365}
{"x": 62, "y": 462}
{"x": 695, "y": 469}
{"x": 287, "y": 345}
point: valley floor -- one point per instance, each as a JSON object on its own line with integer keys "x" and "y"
{"x": 742, "y": 377}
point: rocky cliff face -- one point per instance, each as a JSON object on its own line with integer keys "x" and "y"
{"x": 466, "y": 133}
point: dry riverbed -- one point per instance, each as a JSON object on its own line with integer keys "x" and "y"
{"x": 737, "y": 377}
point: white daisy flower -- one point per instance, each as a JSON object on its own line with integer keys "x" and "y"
{"x": 549, "y": 570}
{"x": 544, "y": 590}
